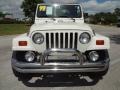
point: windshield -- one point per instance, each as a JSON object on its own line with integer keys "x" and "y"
{"x": 59, "y": 11}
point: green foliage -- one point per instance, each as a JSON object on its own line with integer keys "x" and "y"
{"x": 105, "y": 18}
{"x": 29, "y": 7}
{"x": 117, "y": 11}
{"x": 12, "y": 21}
{"x": 1, "y": 14}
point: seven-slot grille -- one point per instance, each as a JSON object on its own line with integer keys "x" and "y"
{"x": 61, "y": 40}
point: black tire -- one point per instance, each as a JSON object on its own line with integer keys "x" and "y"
{"x": 21, "y": 76}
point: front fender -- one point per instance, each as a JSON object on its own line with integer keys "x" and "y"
{"x": 30, "y": 45}
{"x": 93, "y": 45}
{"x": 22, "y": 37}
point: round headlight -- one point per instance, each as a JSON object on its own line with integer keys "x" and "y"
{"x": 30, "y": 56}
{"x": 85, "y": 38}
{"x": 38, "y": 38}
{"x": 94, "y": 56}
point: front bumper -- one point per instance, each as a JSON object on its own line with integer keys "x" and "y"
{"x": 43, "y": 67}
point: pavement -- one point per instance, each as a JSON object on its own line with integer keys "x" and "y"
{"x": 109, "y": 82}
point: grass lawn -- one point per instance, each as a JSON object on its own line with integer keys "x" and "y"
{"x": 11, "y": 29}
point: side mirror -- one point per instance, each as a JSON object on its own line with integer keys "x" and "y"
{"x": 33, "y": 15}
{"x": 86, "y": 15}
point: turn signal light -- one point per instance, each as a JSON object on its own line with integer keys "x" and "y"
{"x": 22, "y": 43}
{"x": 99, "y": 42}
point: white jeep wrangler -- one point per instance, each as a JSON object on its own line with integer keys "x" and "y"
{"x": 60, "y": 42}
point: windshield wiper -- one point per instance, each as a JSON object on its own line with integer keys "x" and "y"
{"x": 62, "y": 16}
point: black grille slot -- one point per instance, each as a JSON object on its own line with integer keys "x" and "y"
{"x": 52, "y": 40}
{"x": 61, "y": 40}
{"x": 66, "y": 40}
{"x": 71, "y": 40}
{"x": 75, "y": 42}
{"x": 47, "y": 40}
{"x": 57, "y": 40}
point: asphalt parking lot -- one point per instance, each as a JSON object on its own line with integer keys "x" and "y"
{"x": 109, "y": 82}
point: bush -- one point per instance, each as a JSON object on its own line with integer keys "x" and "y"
{"x": 13, "y": 21}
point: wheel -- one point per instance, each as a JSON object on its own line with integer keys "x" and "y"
{"x": 21, "y": 76}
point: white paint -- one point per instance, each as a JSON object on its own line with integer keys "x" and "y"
{"x": 67, "y": 25}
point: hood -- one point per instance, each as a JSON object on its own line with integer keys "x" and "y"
{"x": 60, "y": 26}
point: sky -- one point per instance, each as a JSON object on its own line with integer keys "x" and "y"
{"x": 90, "y": 6}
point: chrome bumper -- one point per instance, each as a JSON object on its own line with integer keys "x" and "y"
{"x": 43, "y": 67}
